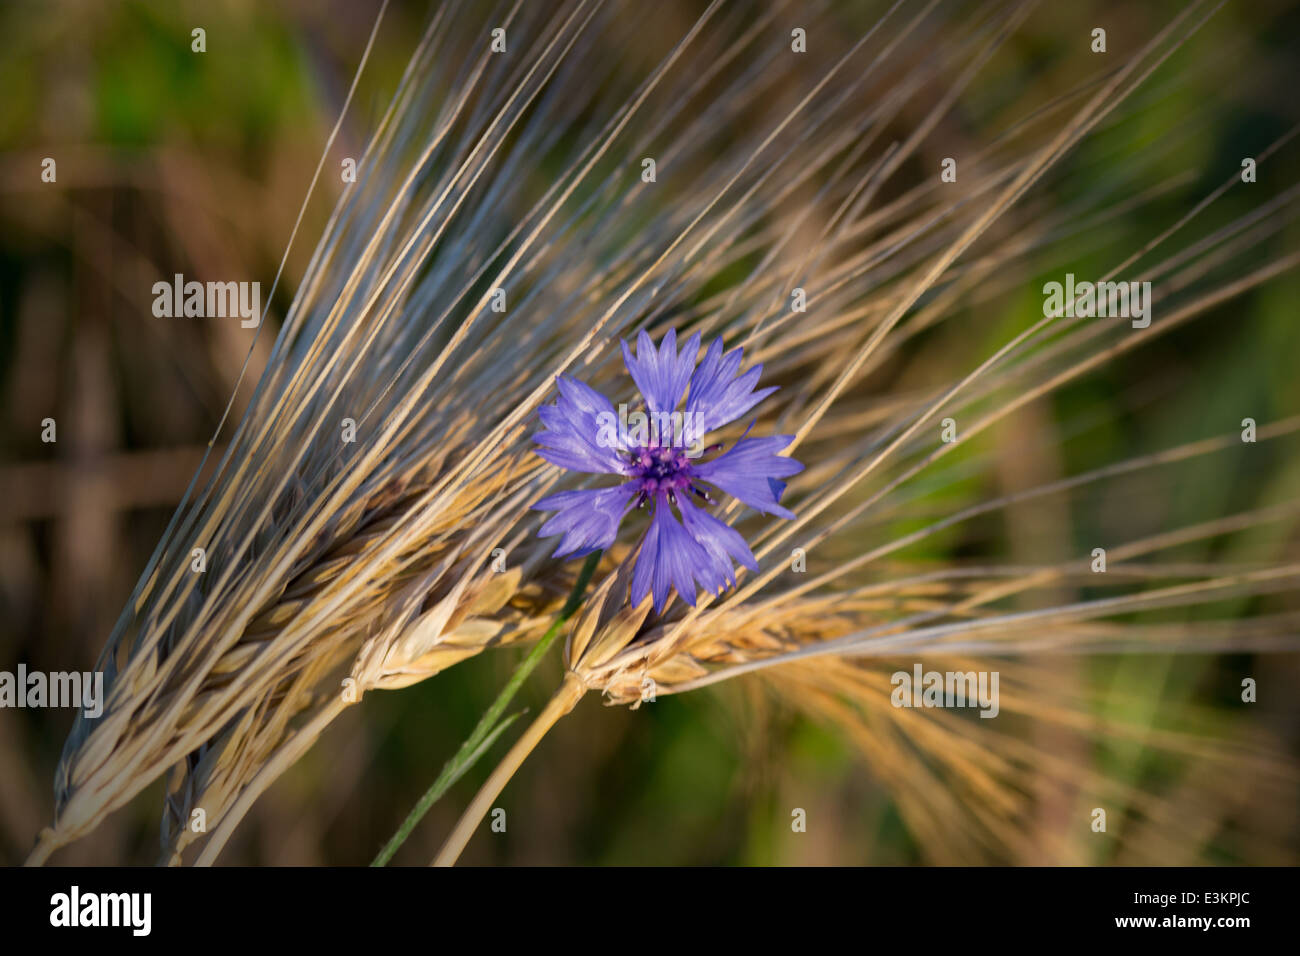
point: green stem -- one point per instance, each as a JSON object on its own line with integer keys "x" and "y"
{"x": 490, "y": 726}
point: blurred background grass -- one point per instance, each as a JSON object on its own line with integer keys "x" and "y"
{"x": 170, "y": 161}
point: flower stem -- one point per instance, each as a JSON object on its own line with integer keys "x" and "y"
{"x": 488, "y": 728}
{"x": 561, "y": 703}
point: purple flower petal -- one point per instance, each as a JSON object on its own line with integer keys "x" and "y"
{"x": 717, "y": 396}
{"x": 588, "y": 518}
{"x": 749, "y": 470}
{"x": 580, "y": 431}
{"x": 661, "y": 376}
{"x": 722, "y": 543}
{"x": 670, "y": 559}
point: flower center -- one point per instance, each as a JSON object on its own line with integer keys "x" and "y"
{"x": 663, "y": 472}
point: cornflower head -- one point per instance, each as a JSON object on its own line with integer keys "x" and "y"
{"x": 660, "y": 455}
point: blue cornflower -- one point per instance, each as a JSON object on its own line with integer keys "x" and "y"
{"x": 659, "y": 452}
